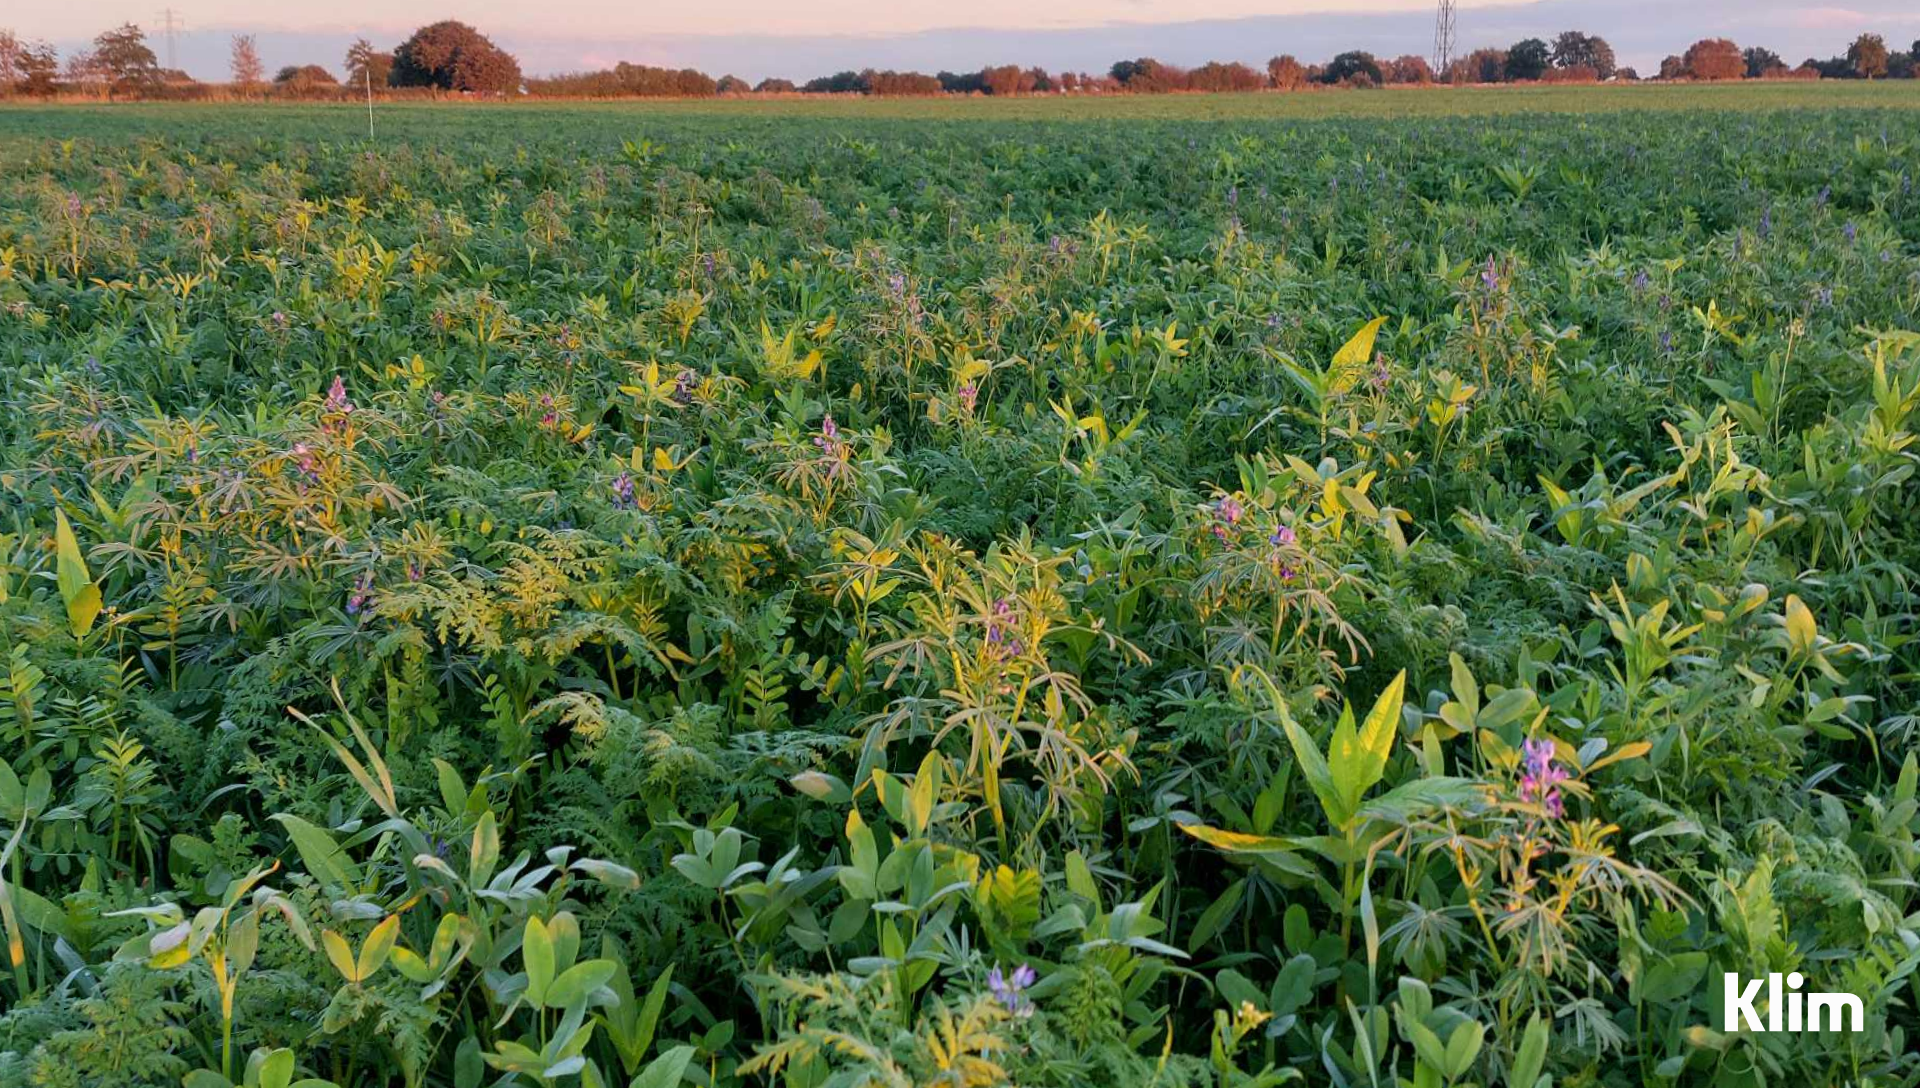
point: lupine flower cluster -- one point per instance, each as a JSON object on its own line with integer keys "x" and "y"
{"x": 1541, "y": 776}
{"x": 361, "y": 598}
{"x": 336, "y": 408}
{"x": 623, "y": 491}
{"x": 1010, "y": 989}
{"x": 305, "y": 461}
{"x": 1228, "y": 511}
{"x": 828, "y": 440}
{"x": 1283, "y": 538}
{"x": 1000, "y": 638}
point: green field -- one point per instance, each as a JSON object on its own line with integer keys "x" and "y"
{"x": 1352, "y": 588}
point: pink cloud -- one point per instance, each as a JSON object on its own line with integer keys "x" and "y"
{"x": 1828, "y": 18}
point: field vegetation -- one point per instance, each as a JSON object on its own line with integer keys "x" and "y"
{"x": 1398, "y": 589}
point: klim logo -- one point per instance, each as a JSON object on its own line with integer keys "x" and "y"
{"x": 1787, "y": 1008}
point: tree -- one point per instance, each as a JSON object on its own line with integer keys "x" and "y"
{"x": 1763, "y": 62}
{"x": 245, "y": 63}
{"x": 775, "y": 86}
{"x": 366, "y": 65}
{"x": 1411, "y": 68}
{"x": 1148, "y": 76}
{"x": 122, "y": 56}
{"x": 1233, "y": 76}
{"x": 1715, "y": 58}
{"x": 1285, "y": 73}
{"x": 1868, "y": 56}
{"x": 1354, "y": 67}
{"x": 1006, "y": 79}
{"x": 1673, "y": 67}
{"x": 1528, "y": 59}
{"x": 453, "y": 56}
{"x": 9, "y": 59}
{"x": 1479, "y": 66}
{"x": 1574, "y": 49}
{"x": 731, "y": 85}
{"x": 303, "y": 78}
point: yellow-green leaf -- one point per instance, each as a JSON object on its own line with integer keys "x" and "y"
{"x": 1350, "y": 362}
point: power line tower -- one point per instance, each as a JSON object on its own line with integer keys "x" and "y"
{"x": 1443, "y": 38}
{"x": 171, "y": 23}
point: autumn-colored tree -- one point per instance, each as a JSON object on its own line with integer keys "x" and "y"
{"x": 775, "y": 86}
{"x": 122, "y": 57}
{"x": 1479, "y": 66}
{"x": 367, "y": 65}
{"x": 893, "y": 83}
{"x": 1216, "y": 76}
{"x": 37, "y": 65}
{"x": 1411, "y": 68}
{"x": 453, "y": 56}
{"x": 1006, "y": 79}
{"x": 1868, "y": 56}
{"x": 1148, "y": 75}
{"x": 1285, "y": 73}
{"x": 244, "y": 63}
{"x": 732, "y": 85}
{"x": 1714, "y": 58}
{"x": 9, "y": 60}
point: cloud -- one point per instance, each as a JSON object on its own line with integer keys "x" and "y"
{"x": 1829, "y": 18}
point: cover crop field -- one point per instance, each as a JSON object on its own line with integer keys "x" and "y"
{"x": 1362, "y": 589}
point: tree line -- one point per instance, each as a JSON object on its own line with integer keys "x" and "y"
{"x": 452, "y": 57}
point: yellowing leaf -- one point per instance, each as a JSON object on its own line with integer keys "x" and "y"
{"x": 1801, "y": 630}
{"x": 1237, "y": 842}
{"x": 340, "y": 954}
{"x": 1350, "y": 362}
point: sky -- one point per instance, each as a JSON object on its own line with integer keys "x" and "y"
{"x": 799, "y": 39}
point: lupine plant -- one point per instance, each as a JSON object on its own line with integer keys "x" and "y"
{"x": 667, "y": 597}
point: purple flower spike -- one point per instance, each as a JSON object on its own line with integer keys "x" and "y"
{"x": 1010, "y": 990}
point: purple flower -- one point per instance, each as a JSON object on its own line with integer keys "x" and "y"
{"x": 969, "y": 394}
{"x": 1541, "y": 776}
{"x": 362, "y": 596}
{"x": 1490, "y": 277}
{"x": 1766, "y": 221}
{"x": 1011, "y": 990}
{"x": 623, "y": 491}
{"x": 1850, "y": 231}
{"x": 1282, "y": 537}
{"x": 828, "y": 440}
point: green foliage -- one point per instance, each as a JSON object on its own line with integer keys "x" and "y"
{"x": 661, "y": 598}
